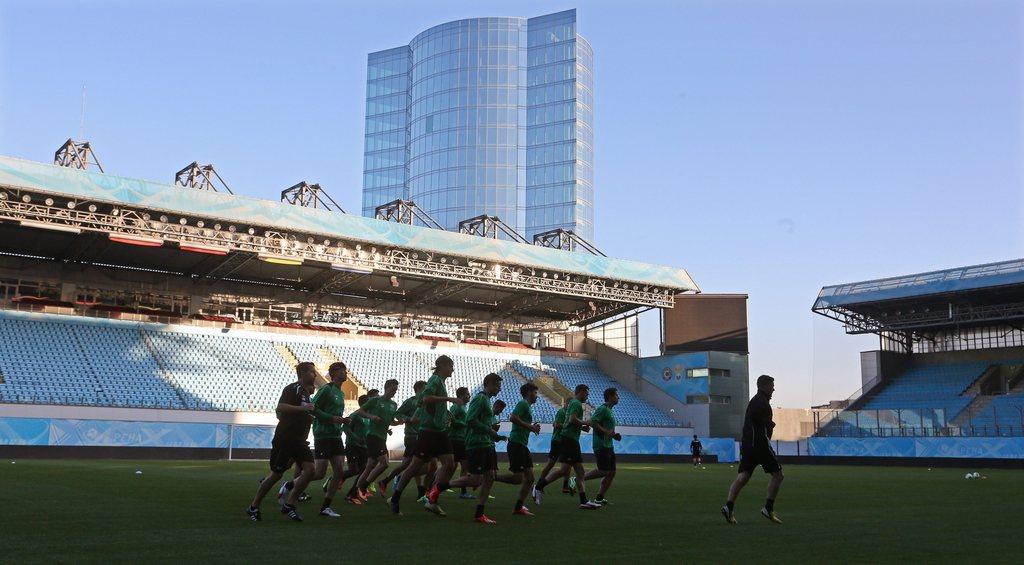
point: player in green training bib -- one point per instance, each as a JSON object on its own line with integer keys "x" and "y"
{"x": 405, "y": 414}
{"x": 480, "y": 438}
{"x": 603, "y": 423}
{"x": 555, "y": 450}
{"x": 433, "y": 441}
{"x": 520, "y": 460}
{"x": 355, "y": 450}
{"x": 328, "y": 413}
{"x": 457, "y": 433}
{"x": 569, "y": 452}
{"x": 384, "y": 408}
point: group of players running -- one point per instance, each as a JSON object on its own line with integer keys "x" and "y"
{"x": 438, "y": 439}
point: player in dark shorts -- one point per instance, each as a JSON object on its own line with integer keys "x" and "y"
{"x": 603, "y": 423}
{"x": 480, "y": 438}
{"x": 433, "y": 439}
{"x": 328, "y": 447}
{"x": 383, "y": 407}
{"x": 756, "y": 449}
{"x": 520, "y": 460}
{"x": 458, "y": 436}
{"x": 556, "y": 443}
{"x": 405, "y": 414}
{"x": 695, "y": 449}
{"x": 355, "y": 450}
{"x": 290, "y": 443}
{"x": 569, "y": 455}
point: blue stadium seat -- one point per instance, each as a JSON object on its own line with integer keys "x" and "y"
{"x": 64, "y": 360}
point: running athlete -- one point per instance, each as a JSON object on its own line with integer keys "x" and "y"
{"x": 405, "y": 415}
{"x": 355, "y": 451}
{"x": 556, "y": 442}
{"x": 383, "y": 407}
{"x": 328, "y": 448}
{"x": 480, "y": 438}
{"x": 290, "y": 443}
{"x": 520, "y": 460}
{"x": 756, "y": 449}
{"x": 433, "y": 438}
{"x": 458, "y": 435}
{"x": 603, "y": 422}
{"x": 695, "y": 449}
{"x": 569, "y": 452}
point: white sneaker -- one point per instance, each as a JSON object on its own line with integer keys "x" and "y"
{"x": 537, "y": 495}
{"x": 329, "y": 513}
{"x": 572, "y": 483}
{"x": 589, "y": 505}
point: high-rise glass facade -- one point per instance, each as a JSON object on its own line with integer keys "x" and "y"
{"x": 485, "y": 116}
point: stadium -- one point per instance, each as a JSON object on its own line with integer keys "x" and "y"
{"x": 155, "y": 324}
{"x": 226, "y": 365}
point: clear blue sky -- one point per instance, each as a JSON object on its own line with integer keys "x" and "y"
{"x": 768, "y": 147}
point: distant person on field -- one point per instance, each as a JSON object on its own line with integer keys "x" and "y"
{"x": 695, "y": 449}
{"x": 756, "y": 449}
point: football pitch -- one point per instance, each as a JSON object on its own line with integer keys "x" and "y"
{"x": 193, "y": 511}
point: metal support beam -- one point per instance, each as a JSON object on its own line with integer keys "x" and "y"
{"x": 202, "y": 177}
{"x": 490, "y": 226}
{"x": 24, "y": 205}
{"x": 310, "y": 196}
{"x": 566, "y": 240}
{"x": 405, "y": 212}
{"x": 76, "y": 155}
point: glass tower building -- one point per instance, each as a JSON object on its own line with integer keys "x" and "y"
{"x": 485, "y": 116}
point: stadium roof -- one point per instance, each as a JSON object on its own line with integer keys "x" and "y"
{"x": 89, "y": 185}
{"x": 974, "y": 295}
{"x": 159, "y": 234}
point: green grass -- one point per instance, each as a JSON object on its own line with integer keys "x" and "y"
{"x": 74, "y": 510}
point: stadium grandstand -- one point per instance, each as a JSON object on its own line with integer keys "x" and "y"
{"x": 951, "y": 355}
{"x": 187, "y": 302}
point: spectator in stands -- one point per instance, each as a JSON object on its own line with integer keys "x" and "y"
{"x": 756, "y": 449}
{"x": 695, "y": 449}
{"x": 290, "y": 442}
{"x": 603, "y": 423}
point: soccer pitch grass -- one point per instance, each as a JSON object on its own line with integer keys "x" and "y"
{"x": 77, "y": 510}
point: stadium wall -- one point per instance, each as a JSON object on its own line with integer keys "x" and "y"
{"x": 623, "y": 367}
{"x": 229, "y": 433}
{"x": 919, "y": 447}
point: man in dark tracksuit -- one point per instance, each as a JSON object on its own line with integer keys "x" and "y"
{"x": 756, "y": 449}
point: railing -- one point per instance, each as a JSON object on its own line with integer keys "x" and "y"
{"x": 914, "y": 422}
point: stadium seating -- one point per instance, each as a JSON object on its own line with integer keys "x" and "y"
{"x": 66, "y": 360}
{"x": 931, "y": 387}
{"x": 930, "y": 397}
{"x": 1004, "y": 416}
{"x": 632, "y": 410}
